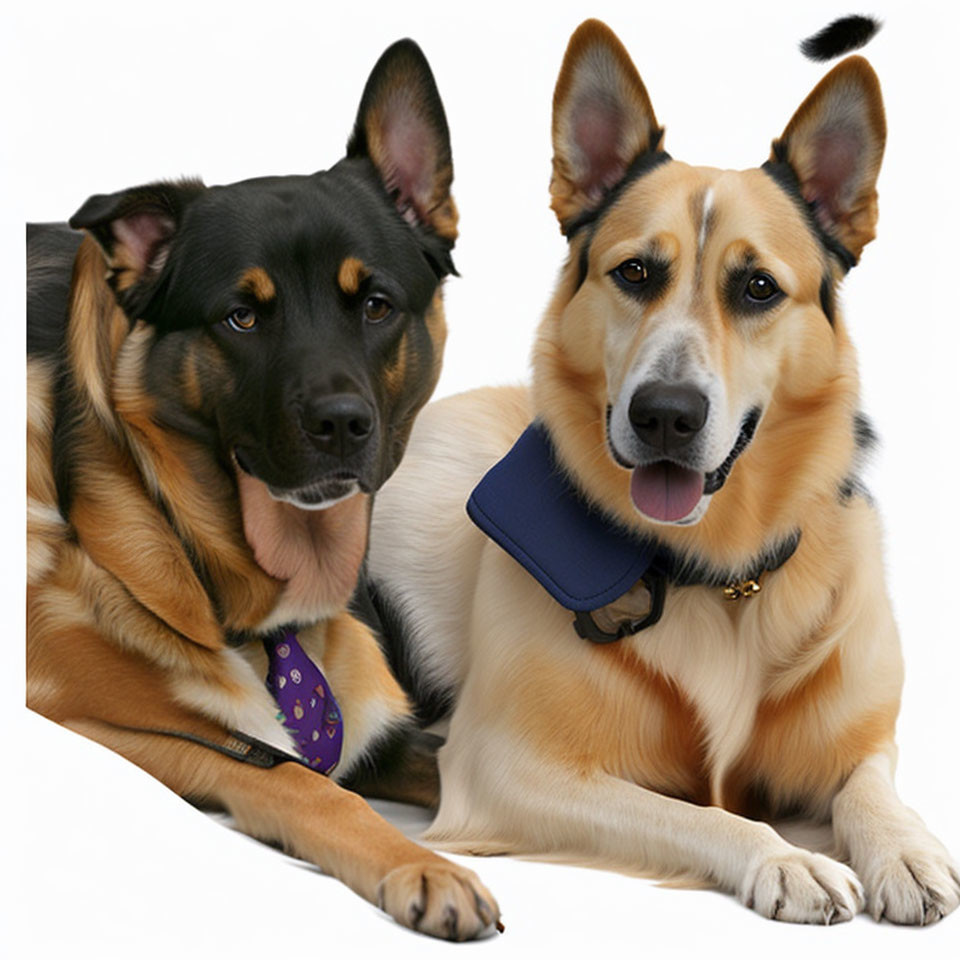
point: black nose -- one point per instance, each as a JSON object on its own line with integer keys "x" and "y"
{"x": 337, "y": 423}
{"x": 667, "y": 417}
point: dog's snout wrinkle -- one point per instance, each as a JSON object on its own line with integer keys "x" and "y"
{"x": 667, "y": 417}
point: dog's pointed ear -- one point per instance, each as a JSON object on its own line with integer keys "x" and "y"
{"x": 602, "y": 121}
{"x": 402, "y": 129}
{"x": 834, "y": 145}
{"x": 135, "y": 227}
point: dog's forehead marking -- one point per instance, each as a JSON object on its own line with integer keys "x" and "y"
{"x": 701, "y": 211}
{"x": 351, "y": 274}
{"x": 257, "y": 281}
{"x": 707, "y": 219}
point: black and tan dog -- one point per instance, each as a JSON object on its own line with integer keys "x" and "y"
{"x": 219, "y": 379}
{"x": 693, "y": 629}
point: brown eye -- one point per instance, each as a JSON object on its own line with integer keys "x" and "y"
{"x": 376, "y": 309}
{"x": 242, "y": 320}
{"x": 761, "y": 287}
{"x": 632, "y": 271}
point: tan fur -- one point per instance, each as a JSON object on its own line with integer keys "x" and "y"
{"x": 125, "y": 641}
{"x": 351, "y": 274}
{"x": 92, "y": 347}
{"x": 45, "y": 526}
{"x": 192, "y": 386}
{"x": 396, "y": 372}
{"x": 571, "y": 391}
{"x": 645, "y": 753}
{"x": 200, "y": 495}
{"x": 349, "y": 840}
{"x": 437, "y": 328}
{"x": 257, "y": 281}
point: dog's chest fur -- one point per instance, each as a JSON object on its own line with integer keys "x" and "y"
{"x": 745, "y": 704}
{"x": 715, "y": 657}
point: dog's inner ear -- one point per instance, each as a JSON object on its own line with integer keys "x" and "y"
{"x": 135, "y": 228}
{"x": 402, "y": 128}
{"x": 834, "y": 144}
{"x": 602, "y": 121}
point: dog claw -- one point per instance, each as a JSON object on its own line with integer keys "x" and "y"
{"x": 440, "y": 899}
{"x": 801, "y": 887}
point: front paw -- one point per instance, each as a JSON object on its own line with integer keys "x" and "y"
{"x": 919, "y": 885}
{"x": 802, "y": 887}
{"x": 439, "y": 898}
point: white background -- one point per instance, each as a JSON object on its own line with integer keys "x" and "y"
{"x": 99, "y": 860}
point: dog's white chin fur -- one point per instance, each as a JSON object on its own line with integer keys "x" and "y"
{"x": 291, "y": 497}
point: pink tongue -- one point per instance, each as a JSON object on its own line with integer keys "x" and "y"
{"x": 665, "y": 491}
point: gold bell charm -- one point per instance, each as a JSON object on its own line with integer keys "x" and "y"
{"x": 742, "y": 590}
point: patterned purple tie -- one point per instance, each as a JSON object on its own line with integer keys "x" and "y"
{"x": 307, "y": 706}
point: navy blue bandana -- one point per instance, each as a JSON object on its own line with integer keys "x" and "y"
{"x": 527, "y": 504}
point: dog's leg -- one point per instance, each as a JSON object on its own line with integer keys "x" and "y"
{"x": 315, "y": 819}
{"x": 908, "y": 875}
{"x": 554, "y": 810}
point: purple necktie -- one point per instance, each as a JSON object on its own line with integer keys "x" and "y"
{"x": 307, "y": 707}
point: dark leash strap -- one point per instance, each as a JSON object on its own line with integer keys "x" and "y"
{"x": 238, "y": 746}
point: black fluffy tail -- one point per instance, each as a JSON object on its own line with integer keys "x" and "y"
{"x": 839, "y": 37}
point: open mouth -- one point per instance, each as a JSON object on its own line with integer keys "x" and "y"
{"x": 669, "y": 492}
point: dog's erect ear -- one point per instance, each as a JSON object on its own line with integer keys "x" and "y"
{"x": 834, "y": 145}
{"x": 602, "y": 121}
{"x": 135, "y": 227}
{"x": 402, "y": 128}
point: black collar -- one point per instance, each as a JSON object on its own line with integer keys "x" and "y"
{"x": 668, "y": 568}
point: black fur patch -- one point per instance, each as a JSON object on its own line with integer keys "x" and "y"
{"x": 839, "y": 37}
{"x": 866, "y": 439}
{"x": 735, "y": 291}
{"x": 51, "y": 248}
{"x": 827, "y": 304}
{"x": 714, "y": 480}
{"x": 852, "y": 487}
{"x": 401, "y": 766}
{"x": 864, "y": 432}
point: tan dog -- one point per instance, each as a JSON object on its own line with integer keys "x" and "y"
{"x": 699, "y": 388}
{"x": 218, "y": 380}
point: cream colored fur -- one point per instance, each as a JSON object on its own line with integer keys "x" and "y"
{"x": 646, "y": 753}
